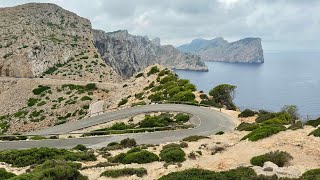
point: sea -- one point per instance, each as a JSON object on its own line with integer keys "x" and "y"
{"x": 285, "y": 78}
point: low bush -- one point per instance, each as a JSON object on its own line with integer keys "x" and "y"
{"x": 140, "y": 103}
{"x": 100, "y": 164}
{"x": 80, "y": 147}
{"x": 316, "y": 132}
{"x": 244, "y": 126}
{"x": 38, "y": 138}
{"x": 22, "y": 158}
{"x": 139, "y": 75}
{"x": 194, "y": 138}
{"x": 128, "y": 142}
{"x": 241, "y": 173}
{"x": 265, "y": 116}
{"x": 171, "y": 145}
{"x": 122, "y": 102}
{"x": 32, "y": 102}
{"x": 181, "y": 117}
{"x": 53, "y": 169}
{"x": 219, "y": 133}
{"x": 135, "y": 155}
{"x": 40, "y": 89}
{"x": 5, "y": 175}
{"x": 313, "y": 123}
{"x": 153, "y": 70}
{"x": 172, "y": 154}
{"x": 247, "y": 113}
{"x": 311, "y": 175}
{"x": 280, "y": 158}
{"x": 140, "y": 172}
{"x": 263, "y": 132}
{"x": 296, "y": 125}
{"x": 86, "y": 98}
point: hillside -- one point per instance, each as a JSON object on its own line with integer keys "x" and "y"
{"x": 248, "y": 50}
{"x": 128, "y": 54}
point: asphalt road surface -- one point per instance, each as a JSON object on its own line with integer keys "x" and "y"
{"x": 207, "y": 122}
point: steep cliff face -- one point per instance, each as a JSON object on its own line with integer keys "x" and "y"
{"x": 248, "y": 50}
{"x": 36, "y": 36}
{"x": 128, "y": 54}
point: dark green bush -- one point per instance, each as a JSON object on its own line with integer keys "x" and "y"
{"x": 139, "y": 75}
{"x": 181, "y": 117}
{"x": 21, "y": 158}
{"x": 122, "y": 102}
{"x": 264, "y": 131}
{"x": 40, "y": 89}
{"x": 86, "y": 98}
{"x": 313, "y": 123}
{"x": 316, "y": 132}
{"x": 244, "y": 126}
{"x": 5, "y": 175}
{"x": 247, "y": 113}
{"x": 125, "y": 172}
{"x": 203, "y": 96}
{"x": 194, "y": 138}
{"x": 90, "y": 87}
{"x": 80, "y": 147}
{"x": 313, "y": 174}
{"x": 153, "y": 70}
{"x": 32, "y": 102}
{"x": 241, "y": 173}
{"x": 265, "y": 116}
{"x": 38, "y": 138}
{"x": 280, "y": 158}
{"x": 139, "y": 95}
{"x": 128, "y": 142}
{"x": 171, "y": 145}
{"x": 135, "y": 155}
{"x": 219, "y": 133}
{"x": 172, "y": 154}
{"x": 183, "y": 96}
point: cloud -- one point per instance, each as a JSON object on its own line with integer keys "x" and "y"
{"x": 179, "y": 21}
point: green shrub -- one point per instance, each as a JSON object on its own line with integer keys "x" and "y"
{"x": 241, "y": 173}
{"x": 183, "y": 96}
{"x": 41, "y": 103}
{"x": 313, "y": 174}
{"x": 80, "y": 147}
{"x": 5, "y": 175}
{"x": 153, "y": 70}
{"x": 274, "y": 121}
{"x": 247, "y": 113}
{"x": 139, "y": 95}
{"x": 90, "y": 87}
{"x": 32, "y": 102}
{"x": 21, "y": 158}
{"x": 140, "y": 172}
{"x": 244, "y": 126}
{"x": 264, "y": 131}
{"x": 182, "y": 117}
{"x": 313, "y": 123}
{"x": 211, "y": 102}
{"x": 219, "y": 133}
{"x": 86, "y": 98}
{"x": 128, "y": 142}
{"x": 265, "y": 116}
{"x": 172, "y": 154}
{"x": 40, "y": 89}
{"x": 194, "y": 138}
{"x": 171, "y": 145}
{"x": 280, "y": 158}
{"x": 122, "y": 102}
{"x": 203, "y": 96}
{"x": 38, "y": 138}
{"x": 139, "y": 75}
{"x": 296, "y": 125}
{"x": 141, "y": 103}
{"x": 316, "y": 132}
{"x": 154, "y": 121}
{"x": 135, "y": 155}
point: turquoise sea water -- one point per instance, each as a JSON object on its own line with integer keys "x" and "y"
{"x": 284, "y": 78}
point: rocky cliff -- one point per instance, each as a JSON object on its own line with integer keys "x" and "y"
{"x": 128, "y": 54}
{"x": 248, "y": 50}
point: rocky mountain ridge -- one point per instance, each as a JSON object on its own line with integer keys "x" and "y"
{"x": 128, "y": 54}
{"x": 247, "y": 50}
{"x": 40, "y": 39}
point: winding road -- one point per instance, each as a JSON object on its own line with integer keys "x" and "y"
{"x": 206, "y": 120}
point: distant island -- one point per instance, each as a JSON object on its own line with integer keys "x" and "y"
{"x": 247, "y": 50}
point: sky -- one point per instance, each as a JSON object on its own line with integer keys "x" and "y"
{"x": 283, "y": 25}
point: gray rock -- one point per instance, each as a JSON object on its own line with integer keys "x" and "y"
{"x": 248, "y": 50}
{"x": 269, "y": 166}
{"x": 128, "y": 54}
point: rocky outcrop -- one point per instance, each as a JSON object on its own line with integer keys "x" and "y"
{"x": 128, "y": 54}
{"x": 36, "y": 36}
{"x": 248, "y": 50}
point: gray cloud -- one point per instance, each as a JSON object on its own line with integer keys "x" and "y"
{"x": 280, "y": 23}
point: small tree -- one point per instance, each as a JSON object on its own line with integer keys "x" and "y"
{"x": 292, "y": 110}
{"x": 224, "y": 94}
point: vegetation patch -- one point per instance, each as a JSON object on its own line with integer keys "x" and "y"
{"x": 172, "y": 154}
{"x": 123, "y": 102}
{"x": 26, "y": 157}
{"x": 223, "y": 95}
{"x": 194, "y": 138}
{"x": 153, "y": 70}
{"x": 5, "y": 175}
{"x": 135, "y": 155}
{"x": 247, "y": 113}
{"x": 264, "y": 131}
{"x": 311, "y": 175}
{"x": 40, "y": 89}
{"x": 244, "y": 126}
{"x": 280, "y": 158}
{"x": 140, "y": 172}
{"x": 316, "y": 132}
{"x": 314, "y": 123}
